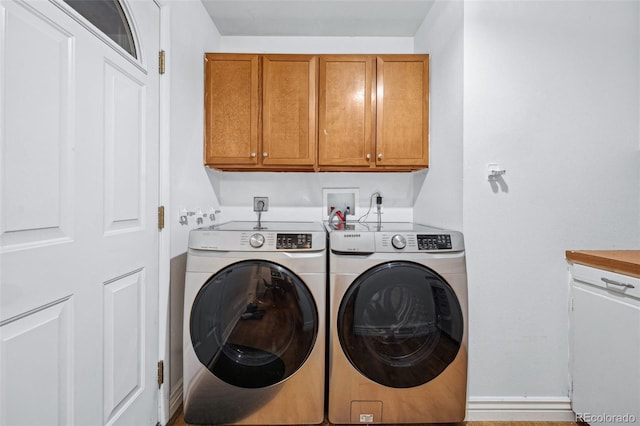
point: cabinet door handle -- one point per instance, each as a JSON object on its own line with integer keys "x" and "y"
{"x": 380, "y": 156}
{"x": 618, "y": 283}
{"x": 265, "y": 154}
{"x": 253, "y": 154}
{"x": 368, "y": 156}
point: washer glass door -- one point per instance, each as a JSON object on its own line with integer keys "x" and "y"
{"x": 400, "y": 324}
{"x": 253, "y": 323}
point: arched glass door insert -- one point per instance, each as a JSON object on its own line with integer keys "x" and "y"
{"x": 109, "y": 17}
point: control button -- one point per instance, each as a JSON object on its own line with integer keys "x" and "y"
{"x": 256, "y": 240}
{"x": 398, "y": 241}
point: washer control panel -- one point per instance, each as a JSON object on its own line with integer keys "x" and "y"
{"x": 434, "y": 242}
{"x": 282, "y": 241}
{"x": 410, "y": 242}
{"x": 293, "y": 241}
{"x": 257, "y": 240}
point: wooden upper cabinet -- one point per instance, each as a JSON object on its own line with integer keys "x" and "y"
{"x": 289, "y": 110}
{"x": 402, "y": 124}
{"x": 346, "y": 111}
{"x": 231, "y": 109}
{"x": 316, "y": 112}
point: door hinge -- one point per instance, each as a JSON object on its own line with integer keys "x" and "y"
{"x": 160, "y": 373}
{"x": 161, "y": 60}
{"x": 160, "y": 218}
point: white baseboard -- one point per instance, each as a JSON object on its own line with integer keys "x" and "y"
{"x": 550, "y": 409}
{"x": 175, "y": 399}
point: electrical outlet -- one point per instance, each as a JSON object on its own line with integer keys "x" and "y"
{"x": 260, "y": 204}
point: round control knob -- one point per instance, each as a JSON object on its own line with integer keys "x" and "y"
{"x": 398, "y": 241}
{"x": 256, "y": 240}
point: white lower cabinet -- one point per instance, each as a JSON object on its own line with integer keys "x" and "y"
{"x": 605, "y": 346}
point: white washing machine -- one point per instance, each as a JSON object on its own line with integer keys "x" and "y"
{"x": 398, "y": 324}
{"x": 254, "y": 324}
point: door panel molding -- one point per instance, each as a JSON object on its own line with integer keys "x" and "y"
{"x": 40, "y": 210}
{"x": 36, "y": 375}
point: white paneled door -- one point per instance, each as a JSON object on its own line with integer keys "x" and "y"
{"x": 78, "y": 216}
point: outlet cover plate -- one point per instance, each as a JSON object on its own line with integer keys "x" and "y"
{"x": 260, "y": 204}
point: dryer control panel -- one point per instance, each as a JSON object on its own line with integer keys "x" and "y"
{"x": 410, "y": 242}
{"x": 434, "y": 242}
{"x": 393, "y": 237}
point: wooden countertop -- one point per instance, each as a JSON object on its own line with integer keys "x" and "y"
{"x": 625, "y": 262}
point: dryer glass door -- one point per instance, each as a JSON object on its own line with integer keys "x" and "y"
{"x": 400, "y": 324}
{"x": 253, "y": 324}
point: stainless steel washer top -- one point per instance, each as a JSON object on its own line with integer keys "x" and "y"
{"x": 271, "y": 236}
{"x": 392, "y": 237}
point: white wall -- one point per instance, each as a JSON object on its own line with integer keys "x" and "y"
{"x": 551, "y": 93}
{"x": 298, "y": 196}
{"x": 318, "y": 45}
{"x": 439, "y": 202}
{"x": 191, "y": 34}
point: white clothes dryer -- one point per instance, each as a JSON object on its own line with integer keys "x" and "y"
{"x": 254, "y": 324}
{"x": 397, "y": 324}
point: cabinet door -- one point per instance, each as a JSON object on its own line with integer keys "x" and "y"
{"x": 402, "y": 129}
{"x": 231, "y": 109}
{"x": 289, "y": 110}
{"x": 345, "y": 116}
{"x": 605, "y": 330}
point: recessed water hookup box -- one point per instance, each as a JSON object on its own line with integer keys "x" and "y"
{"x": 339, "y": 198}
